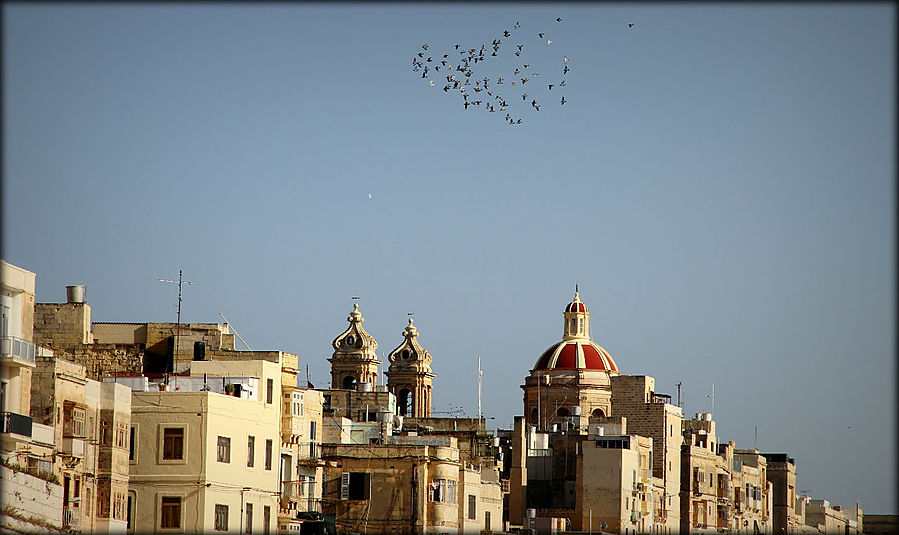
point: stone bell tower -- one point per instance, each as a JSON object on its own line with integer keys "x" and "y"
{"x": 355, "y": 359}
{"x": 409, "y": 376}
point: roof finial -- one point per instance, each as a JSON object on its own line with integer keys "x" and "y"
{"x": 575, "y": 290}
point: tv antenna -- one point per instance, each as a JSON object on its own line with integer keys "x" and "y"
{"x": 180, "y": 283}
{"x": 480, "y": 374}
{"x": 679, "y": 383}
{"x": 235, "y": 331}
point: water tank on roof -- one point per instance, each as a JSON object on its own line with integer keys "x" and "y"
{"x": 75, "y": 294}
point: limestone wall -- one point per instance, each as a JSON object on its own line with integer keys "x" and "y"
{"x": 62, "y": 324}
{"x": 31, "y": 497}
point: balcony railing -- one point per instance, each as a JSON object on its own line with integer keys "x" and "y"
{"x": 16, "y": 348}
{"x": 16, "y": 423}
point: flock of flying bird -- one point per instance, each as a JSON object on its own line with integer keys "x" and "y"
{"x": 455, "y": 70}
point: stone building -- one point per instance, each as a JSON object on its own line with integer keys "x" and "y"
{"x": 781, "y": 472}
{"x": 409, "y": 375}
{"x": 650, "y": 414}
{"x": 409, "y": 484}
{"x": 30, "y": 488}
{"x": 206, "y": 457}
{"x": 574, "y": 372}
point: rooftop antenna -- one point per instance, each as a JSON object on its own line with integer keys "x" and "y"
{"x": 713, "y": 399}
{"x": 679, "y": 383}
{"x": 755, "y": 444}
{"x": 480, "y": 374}
{"x": 180, "y": 282}
{"x": 235, "y": 331}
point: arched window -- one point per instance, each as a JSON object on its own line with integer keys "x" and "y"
{"x": 349, "y": 383}
{"x": 563, "y": 411}
{"x": 405, "y": 402}
{"x": 598, "y": 413}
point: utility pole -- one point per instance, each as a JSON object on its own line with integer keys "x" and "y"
{"x": 180, "y": 282}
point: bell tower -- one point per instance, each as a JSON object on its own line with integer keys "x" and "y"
{"x": 355, "y": 360}
{"x": 409, "y": 376}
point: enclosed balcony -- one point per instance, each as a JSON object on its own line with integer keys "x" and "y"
{"x": 17, "y": 352}
{"x": 17, "y": 424}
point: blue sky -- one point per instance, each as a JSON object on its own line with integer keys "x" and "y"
{"x": 720, "y": 183}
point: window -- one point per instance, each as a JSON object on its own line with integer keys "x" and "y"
{"x": 104, "y": 432}
{"x": 443, "y": 491}
{"x": 129, "y": 512}
{"x": 170, "y": 512}
{"x": 224, "y": 450}
{"x": 103, "y": 500}
{"x": 355, "y": 485}
{"x": 221, "y": 517}
{"x": 173, "y": 443}
{"x": 121, "y": 435}
{"x": 472, "y": 507}
{"x": 119, "y": 506}
{"x": 131, "y": 453}
{"x": 251, "y": 451}
{"x": 486, "y": 520}
{"x": 312, "y": 451}
{"x": 269, "y": 390}
{"x": 249, "y": 528}
{"x": 266, "y": 519}
{"x": 268, "y": 454}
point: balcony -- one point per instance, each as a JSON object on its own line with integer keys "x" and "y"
{"x": 17, "y": 352}
{"x": 73, "y": 447}
{"x": 17, "y": 424}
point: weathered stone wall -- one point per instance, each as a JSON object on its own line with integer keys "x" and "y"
{"x": 61, "y": 325}
{"x": 105, "y": 359}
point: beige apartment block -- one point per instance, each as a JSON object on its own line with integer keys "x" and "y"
{"x": 752, "y": 512}
{"x": 29, "y": 486}
{"x": 699, "y": 476}
{"x": 410, "y": 484}
{"x": 205, "y": 461}
{"x": 301, "y": 465}
{"x": 781, "y": 472}
{"x": 615, "y": 485}
{"x": 827, "y": 519}
{"x": 651, "y": 414}
{"x": 90, "y": 424}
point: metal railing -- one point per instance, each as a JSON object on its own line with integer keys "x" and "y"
{"x": 12, "y": 347}
{"x": 16, "y": 423}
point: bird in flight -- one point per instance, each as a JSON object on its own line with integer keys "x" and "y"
{"x": 565, "y": 59}
{"x": 559, "y": 19}
{"x": 550, "y": 87}
{"x": 431, "y": 83}
{"x": 517, "y": 25}
{"x": 540, "y": 35}
{"x": 563, "y": 101}
{"x": 425, "y": 46}
{"x": 369, "y": 196}
{"x": 630, "y": 25}
{"x": 549, "y": 42}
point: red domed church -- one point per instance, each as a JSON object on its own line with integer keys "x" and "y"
{"x": 572, "y": 377}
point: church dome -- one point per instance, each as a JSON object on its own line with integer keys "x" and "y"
{"x": 576, "y": 351}
{"x": 576, "y": 355}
